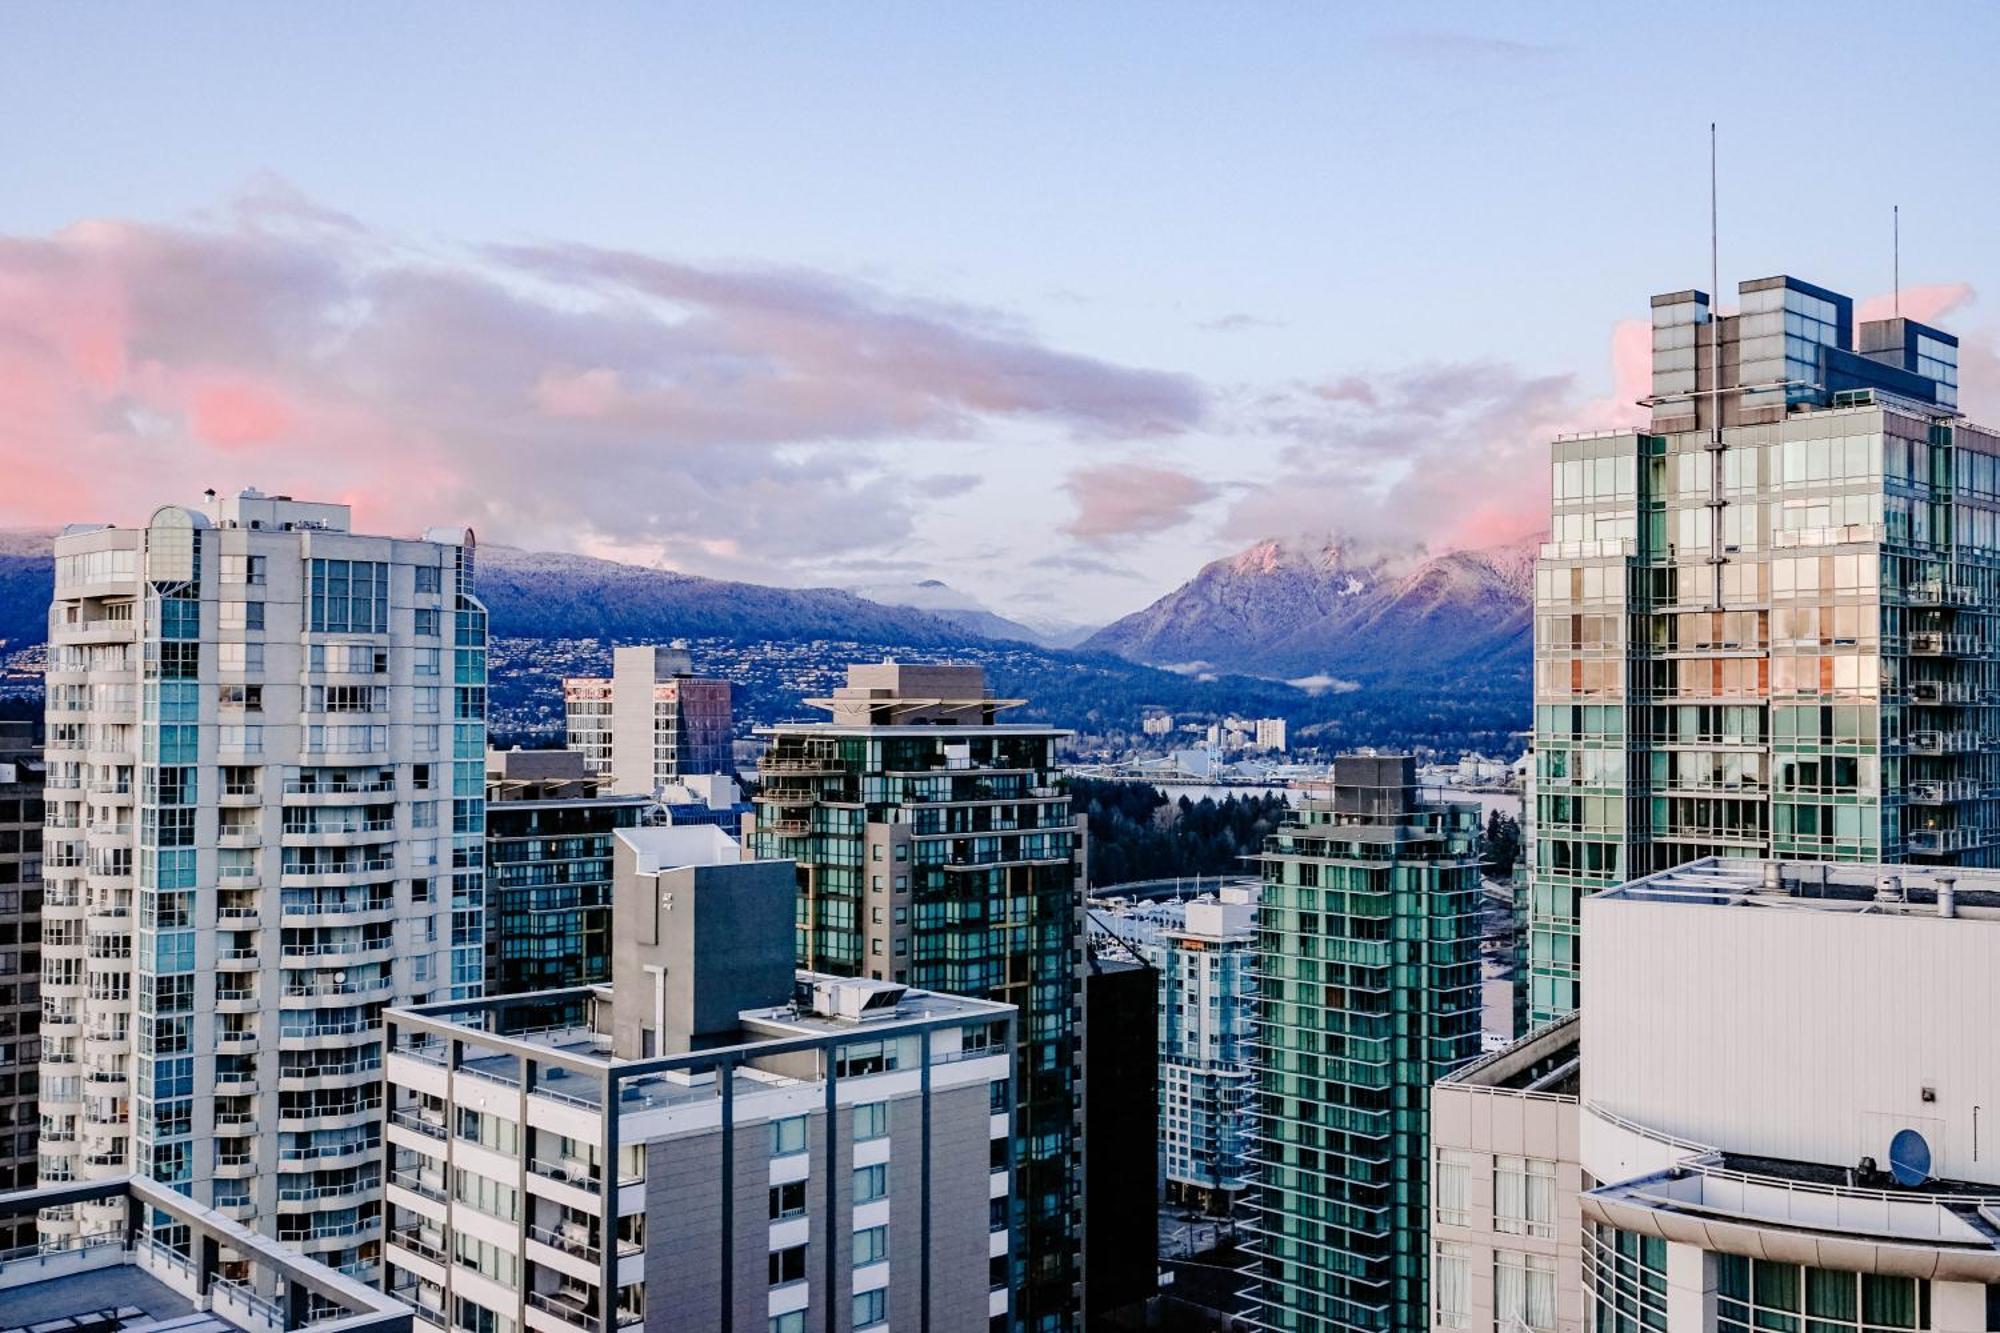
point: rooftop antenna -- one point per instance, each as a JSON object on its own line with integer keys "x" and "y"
{"x": 1715, "y": 441}
{"x": 1896, "y": 247}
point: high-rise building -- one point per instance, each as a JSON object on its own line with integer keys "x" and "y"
{"x": 1506, "y": 1185}
{"x": 549, "y": 830}
{"x": 264, "y": 824}
{"x": 1207, "y": 1018}
{"x": 652, "y": 721}
{"x": 1766, "y": 623}
{"x": 1121, "y": 1238}
{"x": 1785, "y": 1116}
{"x": 713, "y": 1142}
{"x": 936, "y": 846}
{"x": 1368, "y": 981}
{"x": 21, "y": 791}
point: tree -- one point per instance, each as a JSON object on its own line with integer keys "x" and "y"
{"x": 1500, "y": 844}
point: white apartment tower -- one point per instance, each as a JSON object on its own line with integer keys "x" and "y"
{"x": 266, "y": 740}
{"x": 652, "y": 722}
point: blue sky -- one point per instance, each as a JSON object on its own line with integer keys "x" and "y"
{"x": 1255, "y": 201}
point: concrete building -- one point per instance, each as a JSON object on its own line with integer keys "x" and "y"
{"x": 1207, "y": 1020}
{"x": 783, "y": 1151}
{"x": 935, "y": 846}
{"x": 1791, "y": 1130}
{"x": 170, "y": 1266}
{"x": 549, "y": 833}
{"x": 1506, "y": 1184}
{"x": 1368, "y": 993}
{"x": 1270, "y": 734}
{"x": 1121, "y": 997}
{"x": 1765, "y": 623}
{"x": 21, "y": 791}
{"x": 705, "y": 798}
{"x": 651, "y": 722}
{"x": 264, "y": 824}
{"x": 1157, "y": 724}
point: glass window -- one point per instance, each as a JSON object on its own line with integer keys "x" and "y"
{"x": 788, "y": 1136}
{"x": 1524, "y": 1196}
{"x": 871, "y": 1120}
{"x": 871, "y": 1245}
{"x": 870, "y": 1308}
{"x": 871, "y": 1183}
{"x": 1451, "y": 1276}
{"x": 1454, "y": 1187}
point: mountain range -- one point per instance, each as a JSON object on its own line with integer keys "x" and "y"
{"x": 1384, "y": 647}
{"x": 1323, "y": 612}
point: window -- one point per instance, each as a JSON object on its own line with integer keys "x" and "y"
{"x": 347, "y": 596}
{"x": 871, "y": 1183}
{"x": 792, "y": 1322}
{"x": 1524, "y": 1196}
{"x": 788, "y": 1265}
{"x": 1753, "y": 1294}
{"x": 1524, "y": 1290}
{"x": 249, "y": 698}
{"x": 476, "y": 1318}
{"x": 870, "y": 1307}
{"x": 871, "y": 1246}
{"x": 788, "y": 1200}
{"x": 424, "y": 662}
{"x": 871, "y": 1120}
{"x": 240, "y": 615}
{"x": 1451, "y": 1279}
{"x": 426, "y": 623}
{"x": 243, "y": 569}
{"x": 247, "y": 657}
{"x": 1454, "y": 1184}
{"x": 788, "y": 1136}
{"x": 427, "y": 578}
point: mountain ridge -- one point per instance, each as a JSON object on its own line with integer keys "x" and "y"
{"x": 1319, "y": 607}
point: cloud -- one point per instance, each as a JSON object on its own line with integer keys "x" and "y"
{"x": 726, "y": 419}
{"x": 1238, "y": 323}
{"x": 1081, "y": 563}
{"x": 1131, "y": 499}
{"x": 1446, "y": 455}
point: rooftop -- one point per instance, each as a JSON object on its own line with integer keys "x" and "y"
{"x": 1819, "y": 886}
{"x": 675, "y": 846}
{"x": 125, "y": 1279}
{"x": 1546, "y": 1060}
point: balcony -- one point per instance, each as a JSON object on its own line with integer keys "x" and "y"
{"x": 1944, "y": 841}
{"x": 1943, "y": 793}
{"x": 411, "y": 1118}
{"x": 1936, "y": 593}
{"x": 1945, "y": 643}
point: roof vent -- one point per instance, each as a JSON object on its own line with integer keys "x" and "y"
{"x": 1889, "y": 889}
{"x": 856, "y": 1000}
{"x": 1947, "y": 895}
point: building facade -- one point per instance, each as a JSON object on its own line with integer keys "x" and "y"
{"x": 652, "y": 721}
{"x": 1785, "y": 1099}
{"x": 1368, "y": 993}
{"x": 1207, "y": 1021}
{"x": 265, "y": 824}
{"x": 1765, "y": 624}
{"x": 781, "y": 1151}
{"x": 21, "y": 791}
{"x": 549, "y": 834}
{"x": 1506, "y": 1189}
{"x": 935, "y": 846}
{"x": 1121, "y": 998}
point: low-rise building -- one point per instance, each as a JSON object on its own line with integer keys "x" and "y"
{"x": 713, "y": 1141}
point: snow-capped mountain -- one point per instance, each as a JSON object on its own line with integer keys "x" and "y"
{"x": 1321, "y": 607}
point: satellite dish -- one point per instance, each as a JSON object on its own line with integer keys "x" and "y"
{"x": 1909, "y": 1158}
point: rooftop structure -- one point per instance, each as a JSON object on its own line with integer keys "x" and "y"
{"x": 168, "y": 1265}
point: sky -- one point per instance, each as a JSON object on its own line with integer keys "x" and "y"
{"x": 1052, "y": 303}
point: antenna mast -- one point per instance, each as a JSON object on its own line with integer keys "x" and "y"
{"x": 1896, "y": 247}
{"x": 1716, "y": 546}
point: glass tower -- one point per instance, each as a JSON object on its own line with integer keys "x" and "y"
{"x": 1368, "y": 992}
{"x": 936, "y": 847}
{"x": 1765, "y": 625}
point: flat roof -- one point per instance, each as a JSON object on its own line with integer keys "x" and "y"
{"x": 1546, "y": 1060}
{"x": 665, "y": 847}
{"x": 101, "y": 1300}
{"x": 1821, "y": 886}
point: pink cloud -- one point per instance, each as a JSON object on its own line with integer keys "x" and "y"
{"x": 1130, "y": 499}
{"x": 705, "y": 414}
{"x": 1926, "y": 303}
